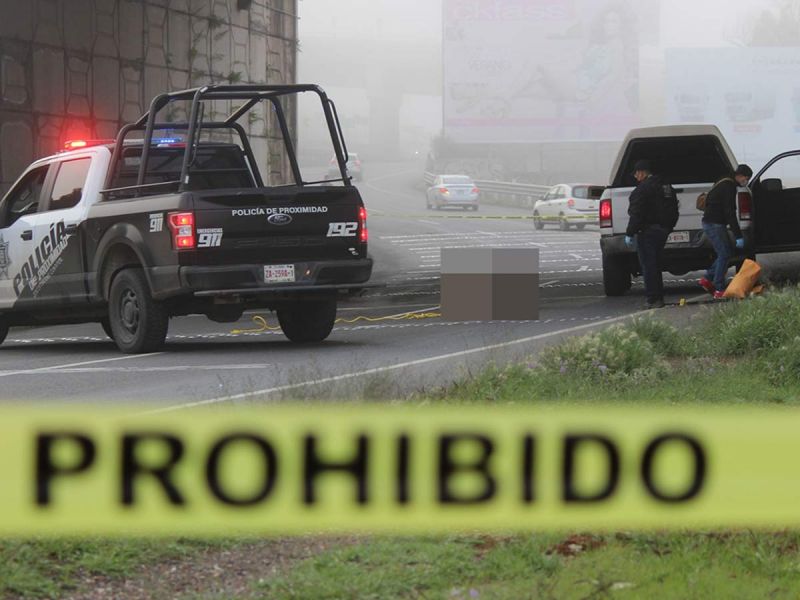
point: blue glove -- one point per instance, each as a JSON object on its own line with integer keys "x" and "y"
{"x": 740, "y": 244}
{"x": 629, "y": 241}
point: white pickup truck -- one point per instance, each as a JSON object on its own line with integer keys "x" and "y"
{"x": 691, "y": 158}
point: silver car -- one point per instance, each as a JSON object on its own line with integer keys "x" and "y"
{"x": 568, "y": 204}
{"x": 453, "y": 190}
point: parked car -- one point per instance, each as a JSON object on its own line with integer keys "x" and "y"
{"x": 691, "y": 158}
{"x": 459, "y": 191}
{"x": 568, "y": 204}
{"x": 354, "y": 168}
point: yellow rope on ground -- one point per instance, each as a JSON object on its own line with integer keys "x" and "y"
{"x": 263, "y": 326}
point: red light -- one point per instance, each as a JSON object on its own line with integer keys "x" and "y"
{"x": 363, "y": 232}
{"x": 182, "y": 227}
{"x": 444, "y": 190}
{"x": 571, "y": 203}
{"x": 78, "y": 144}
{"x": 745, "y": 206}
{"x": 606, "y": 213}
{"x": 476, "y": 190}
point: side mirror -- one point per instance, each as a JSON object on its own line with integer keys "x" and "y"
{"x": 772, "y": 185}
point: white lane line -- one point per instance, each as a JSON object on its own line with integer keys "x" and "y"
{"x": 404, "y": 365}
{"x": 175, "y": 368}
{"x": 428, "y": 222}
{"x": 80, "y": 364}
{"x": 549, "y": 283}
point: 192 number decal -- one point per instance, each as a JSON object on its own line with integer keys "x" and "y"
{"x": 342, "y": 229}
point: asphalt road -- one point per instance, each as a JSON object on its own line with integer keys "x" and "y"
{"x": 207, "y": 363}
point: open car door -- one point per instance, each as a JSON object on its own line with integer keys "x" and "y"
{"x": 776, "y": 204}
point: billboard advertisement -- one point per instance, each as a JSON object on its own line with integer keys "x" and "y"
{"x": 751, "y": 94}
{"x": 543, "y": 70}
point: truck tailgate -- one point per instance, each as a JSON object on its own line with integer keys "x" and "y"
{"x": 689, "y": 220}
{"x": 278, "y": 225}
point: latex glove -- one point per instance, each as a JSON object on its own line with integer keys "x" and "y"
{"x": 629, "y": 241}
{"x": 740, "y": 244}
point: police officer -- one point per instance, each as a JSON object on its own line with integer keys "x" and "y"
{"x": 653, "y": 212}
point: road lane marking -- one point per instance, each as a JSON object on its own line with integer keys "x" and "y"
{"x": 79, "y": 364}
{"x": 174, "y": 368}
{"x": 395, "y": 367}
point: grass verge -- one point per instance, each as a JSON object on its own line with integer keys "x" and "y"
{"x": 550, "y": 567}
{"x": 52, "y": 568}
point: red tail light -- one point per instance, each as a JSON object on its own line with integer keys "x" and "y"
{"x": 606, "y": 213}
{"x": 571, "y": 203}
{"x": 745, "y": 206}
{"x": 182, "y": 227}
{"x": 444, "y": 190}
{"x": 476, "y": 190}
{"x": 363, "y": 232}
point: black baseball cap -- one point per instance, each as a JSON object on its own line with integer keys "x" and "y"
{"x": 643, "y": 165}
{"x": 744, "y": 170}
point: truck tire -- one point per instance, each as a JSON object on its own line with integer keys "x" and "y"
{"x": 308, "y": 321}
{"x": 4, "y": 327}
{"x": 564, "y": 224}
{"x": 106, "y": 325}
{"x": 138, "y": 323}
{"x": 616, "y": 276}
{"x": 537, "y": 221}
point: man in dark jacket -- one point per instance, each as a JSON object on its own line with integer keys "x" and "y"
{"x": 653, "y": 212}
{"x": 719, "y": 214}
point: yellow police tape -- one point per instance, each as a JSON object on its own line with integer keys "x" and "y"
{"x": 290, "y": 470}
{"x": 263, "y": 326}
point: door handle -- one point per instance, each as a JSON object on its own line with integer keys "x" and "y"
{"x": 27, "y": 235}
{"x": 71, "y": 228}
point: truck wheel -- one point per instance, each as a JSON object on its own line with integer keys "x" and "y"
{"x": 616, "y": 276}
{"x": 581, "y": 226}
{"x": 106, "y": 325}
{"x": 308, "y": 321}
{"x": 537, "y": 221}
{"x": 564, "y": 224}
{"x": 3, "y": 328}
{"x": 138, "y": 323}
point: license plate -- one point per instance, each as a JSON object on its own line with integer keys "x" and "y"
{"x": 279, "y": 274}
{"x": 679, "y": 237}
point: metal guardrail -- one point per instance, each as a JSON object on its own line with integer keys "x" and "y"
{"x": 522, "y": 195}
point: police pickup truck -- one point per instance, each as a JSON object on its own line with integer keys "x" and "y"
{"x": 129, "y": 233}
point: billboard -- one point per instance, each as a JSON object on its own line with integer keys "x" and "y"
{"x": 751, "y": 94}
{"x": 543, "y": 70}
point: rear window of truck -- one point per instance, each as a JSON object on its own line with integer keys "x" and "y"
{"x": 215, "y": 167}
{"x": 679, "y": 160}
{"x": 585, "y": 192}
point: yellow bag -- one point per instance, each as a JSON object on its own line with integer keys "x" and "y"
{"x": 745, "y": 281}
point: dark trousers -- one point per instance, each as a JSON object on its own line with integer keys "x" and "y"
{"x": 650, "y": 244}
